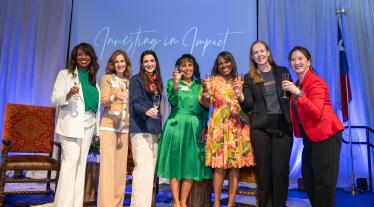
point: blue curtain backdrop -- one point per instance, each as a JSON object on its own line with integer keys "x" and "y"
{"x": 34, "y": 42}
{"x": 33, "y": 48}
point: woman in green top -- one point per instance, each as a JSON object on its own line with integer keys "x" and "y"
{"x": 181, "y": 154}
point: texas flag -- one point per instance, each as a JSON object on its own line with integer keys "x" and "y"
{"x": 345, "y": 89}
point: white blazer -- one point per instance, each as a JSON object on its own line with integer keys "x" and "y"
{"x": 70, "y": 118}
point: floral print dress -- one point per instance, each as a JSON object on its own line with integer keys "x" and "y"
{"x": 228, "y": 142}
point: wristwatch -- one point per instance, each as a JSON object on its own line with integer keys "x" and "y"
{"x": 301, "y": 93}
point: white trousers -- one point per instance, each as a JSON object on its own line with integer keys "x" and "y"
{"x": 70, "y": 188}
{"x": 144, "y": 152}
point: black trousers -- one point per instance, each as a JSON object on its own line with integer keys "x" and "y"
{"x": 320, "y": 166}
{"x": 272, "y": 155}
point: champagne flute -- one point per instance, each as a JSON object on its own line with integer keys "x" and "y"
{"x": 156, "y": 101}
{"x": 75, "y": 97}
{"x": 179, "y": 68}
{"x": 206, "y": 83}
{"x": 76, "y": 84}
{"x": 123, "y": 85}
{"x": 239, "y": 77}
{"x": 179, "y": 71}
{"x": 285, "y": 76}
{"x": 237, "y": 80}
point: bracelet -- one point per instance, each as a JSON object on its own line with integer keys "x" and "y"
{"x": 205, "y": 95}
{"x": 301, "y": 93}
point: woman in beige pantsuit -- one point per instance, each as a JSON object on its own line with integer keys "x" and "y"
{"x": 114, "y": 130}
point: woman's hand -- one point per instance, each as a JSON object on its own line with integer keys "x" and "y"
{"x": 73, "y": 90}
{"x": 291, "y": 87}
{"x": 205, "y": 98}
{"x": 238, "y": 89}
{"x": 176, "y": 78}
{"x": 152, "y": 112}
{"x": 120, "y": 96}
{"x": 203, "y": 135}
{"x": 205, "y": 86}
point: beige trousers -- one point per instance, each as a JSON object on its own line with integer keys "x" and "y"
{"x": 144, "y": 151}
{"x": 113, "y": 165}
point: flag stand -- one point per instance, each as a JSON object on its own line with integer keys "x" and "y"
{"x": 353, "y": 190}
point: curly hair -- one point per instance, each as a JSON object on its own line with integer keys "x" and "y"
{"x": 92, "y": 68}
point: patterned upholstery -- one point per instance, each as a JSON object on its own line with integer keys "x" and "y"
{"x": 30, "y": 128}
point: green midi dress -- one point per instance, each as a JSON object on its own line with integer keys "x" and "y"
{"x": 180, "y": 155}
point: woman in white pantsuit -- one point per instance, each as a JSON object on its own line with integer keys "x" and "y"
{"x": 76, "y": 97}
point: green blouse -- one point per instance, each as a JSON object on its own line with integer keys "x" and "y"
{"x": 90, "y": 92}
{"x": 186, "y": 100}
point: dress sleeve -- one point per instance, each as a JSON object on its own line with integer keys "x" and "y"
{"x": 172, "y": 94}
{"x": 313, "y": 102}
{"x": 59, "y": 92}
{"x": 105, "y": 91}
{"x": 204, "y": 117}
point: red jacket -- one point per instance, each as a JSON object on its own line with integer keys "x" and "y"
{"x": 316, "y": 113}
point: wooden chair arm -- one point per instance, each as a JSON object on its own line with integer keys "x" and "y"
{"x": 6, "y": 144}
{"x": 4, "y": 150}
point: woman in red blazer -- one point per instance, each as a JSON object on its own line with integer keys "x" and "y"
{"x": 314, "y": 119}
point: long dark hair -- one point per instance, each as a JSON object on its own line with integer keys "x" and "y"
{"x": 254, "y": 72}
{"x": 227, "y": 56}
{"x": 92, "y": 68}
{"x": 147, "y": 81}
{"x": 196, "y": 68}
{"x": 110, "y": 69}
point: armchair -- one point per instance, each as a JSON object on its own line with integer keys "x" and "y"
{"x": 27, "y": 144}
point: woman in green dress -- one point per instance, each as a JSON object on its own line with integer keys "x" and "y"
{"x": 181, "y": 154}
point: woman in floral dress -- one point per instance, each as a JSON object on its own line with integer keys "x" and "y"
{"x": 228, "y": 146}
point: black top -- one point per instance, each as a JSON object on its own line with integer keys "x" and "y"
{"x": 255, "y": 100}
{"x": 271, "y": 97}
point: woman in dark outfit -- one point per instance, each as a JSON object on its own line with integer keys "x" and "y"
{"x": 270, "y": 122}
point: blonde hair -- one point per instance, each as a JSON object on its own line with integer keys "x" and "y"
{"x": 254, "y": 72}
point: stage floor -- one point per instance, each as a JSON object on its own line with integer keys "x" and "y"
{"x": 164, "y": 199}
